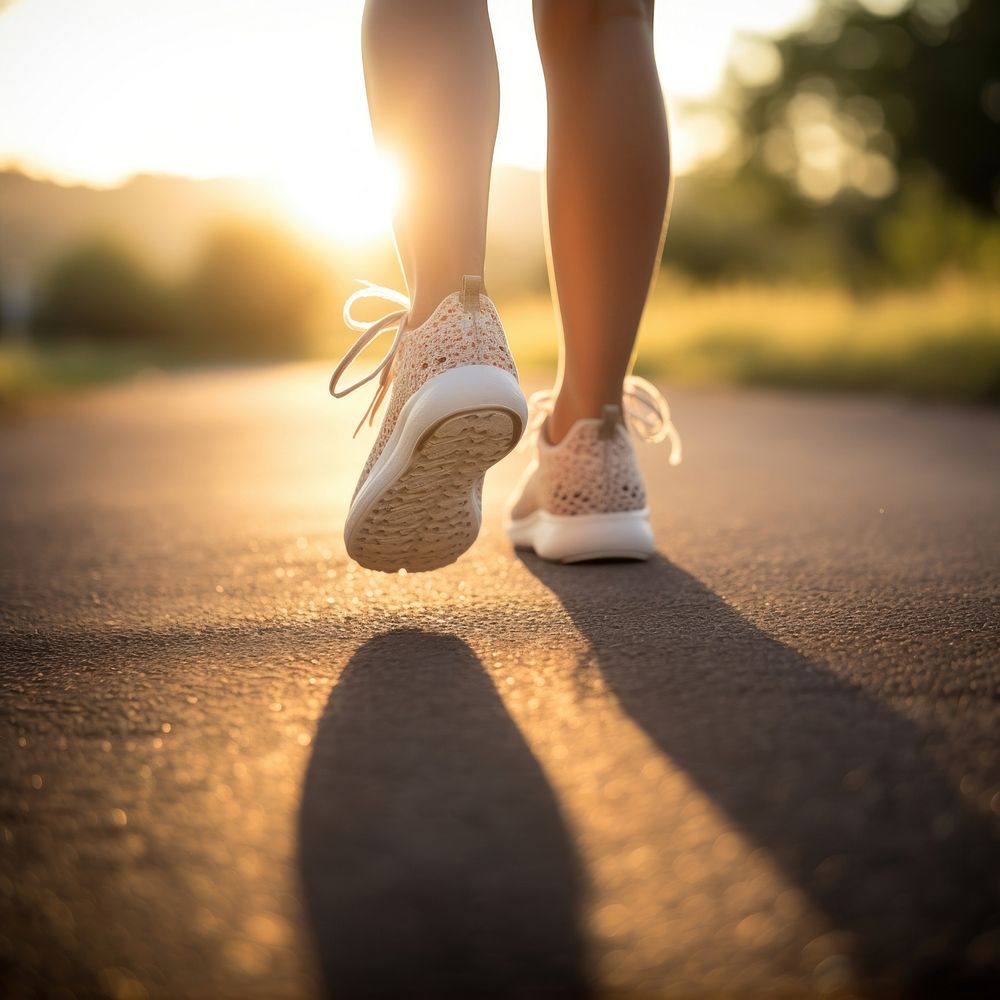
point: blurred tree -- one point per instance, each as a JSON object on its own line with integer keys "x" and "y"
{"x": 746, "y": 225}
{"x": 926, "y": 232}
{"x": 873, "y": 88}
{"x": 98, "y": 291}
{"x": 251, "y": 293}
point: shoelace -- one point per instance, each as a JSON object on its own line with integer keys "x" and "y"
{"x": 393, "y": 322}
{"x": 646, "y": 412}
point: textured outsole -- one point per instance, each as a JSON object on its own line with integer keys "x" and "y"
{"x": 431, "y": 513}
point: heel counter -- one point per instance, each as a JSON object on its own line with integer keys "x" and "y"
{"x": 488, "y": 335}
{"x": 626, "y": 489}
{"x": 621, "y": 481}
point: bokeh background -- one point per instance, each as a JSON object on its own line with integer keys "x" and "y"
{"x": 194, "y": 183}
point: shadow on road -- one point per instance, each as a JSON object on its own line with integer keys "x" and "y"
{"x": 434, "y": 859}
{"x": 834, "y": 784}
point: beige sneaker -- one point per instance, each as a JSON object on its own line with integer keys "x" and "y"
{"x": 584, "y": 497}
{"x": 455, "y": 409}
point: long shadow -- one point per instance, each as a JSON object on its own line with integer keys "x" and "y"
{"x": 433, "y": 856}
{"x": 837, "y": 786}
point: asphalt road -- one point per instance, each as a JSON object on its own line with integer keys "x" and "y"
{"x": 234, "y": 765}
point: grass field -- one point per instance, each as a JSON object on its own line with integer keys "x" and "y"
{"x": 29, "y": 373}
{"x": 941, "y": 341}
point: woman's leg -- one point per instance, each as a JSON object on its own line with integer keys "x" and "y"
{"x": 608, "y": 181}
{"x": 434, "y": 97}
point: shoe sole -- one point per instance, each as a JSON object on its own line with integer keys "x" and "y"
{"x": 584, "y": 537}
{"x": 419, "y": 508}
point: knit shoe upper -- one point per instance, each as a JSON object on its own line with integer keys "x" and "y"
{"x": 593, "y": 469}
{"x": 463, "y": 330}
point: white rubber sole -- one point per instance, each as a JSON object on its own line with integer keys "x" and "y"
{"x": 419, "y": 509}
{"x": 583, "y": 537}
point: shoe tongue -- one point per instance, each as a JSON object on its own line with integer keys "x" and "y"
{"x": 611, "y": 417}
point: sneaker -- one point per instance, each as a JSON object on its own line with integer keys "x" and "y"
{"x": 584, "y": 497}
{"x": 455, "y": 409}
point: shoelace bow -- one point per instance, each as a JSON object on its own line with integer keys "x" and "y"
{"x": 393, "y": 322}
{"x": 646, "y": 412}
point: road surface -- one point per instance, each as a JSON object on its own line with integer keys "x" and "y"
{"x": 235, "y": 765}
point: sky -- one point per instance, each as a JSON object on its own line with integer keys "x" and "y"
{"x": 93, "y": 92}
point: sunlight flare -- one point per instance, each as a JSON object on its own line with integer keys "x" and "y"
{"x": 348, "y": 200}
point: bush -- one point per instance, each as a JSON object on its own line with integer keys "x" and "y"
{"x": 251, "y": 293}
{"x": 749, "y": 225}
{"x": 928, "y": 232}
{"x": 248, "y": 296}
{"x": 98, "y": 292}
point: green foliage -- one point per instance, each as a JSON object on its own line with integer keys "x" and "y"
{"x": 918, "y": 87}
{"x": 250, "y": 294}
{"x": 873, "y": 156}
{"x": 98, "y": 292}
{"x": 28, "y": 372}
{"x": 747, "y": 226}
{"x": 927, "y": 232}
{"x": 964, "y": 365}
{"x": 750, "y": 226}
{"x": 938, "y": 341}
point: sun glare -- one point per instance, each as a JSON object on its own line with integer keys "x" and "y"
{"x": 351, "y": 200}
{"x": 278, "y": 93}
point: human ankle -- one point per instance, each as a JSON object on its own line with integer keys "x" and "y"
{"x": 569, "y": 409}
{"x": 427, "y": 298}
{"x": 421, "y": 310}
